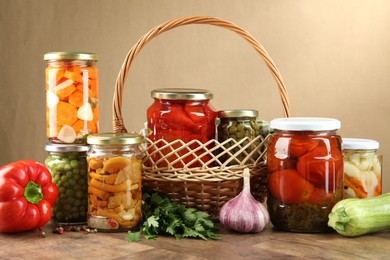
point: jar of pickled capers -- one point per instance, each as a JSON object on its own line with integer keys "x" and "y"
{"x": 241, "y": 126}
{"x": 68, "y": 167}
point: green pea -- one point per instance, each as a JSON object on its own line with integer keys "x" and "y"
{"x": 71, "y": 182}
{"x": 71, "y": 200}
{"x": 59, "y": 216}
{"x": 67, "y": 207}
{"x": 65, "y": 160}
{"x": 64, "y": 179}
{"x": 60, "y": 166}
{"x": 239, "y": 135}
{"x": 77, "y": 202}
{"x": 67, "y": 167}
{"x": 74, "y": 164}
{"x": 76, "y": 171}
{"x": 70, "y": 193}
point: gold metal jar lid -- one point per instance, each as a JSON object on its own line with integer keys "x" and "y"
{"x": 63, "y": 55}
{"x": 114, "y": 139}
{"x": 238, "y": 113}
{"x": 182, "y": 94}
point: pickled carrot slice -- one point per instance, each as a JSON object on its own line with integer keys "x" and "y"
{"x": 65, "y": 92}
{"x": 93, "y": 85}
{"x": 76, "y": 99}
{"x": 355, "y": 185}
{"x": 378, "y": 190}
{"x": 50, "y": 72}
{"x": 66, "y": 114}
{"x": 95, "y": 115}
{"x": 79, "y": 86}
{"x": 80, "y": 127}
{"x": 92, "y": 72}
{"x": 74, "y": 74}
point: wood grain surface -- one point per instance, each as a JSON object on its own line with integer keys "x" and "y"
{"x": 269, "y": 244}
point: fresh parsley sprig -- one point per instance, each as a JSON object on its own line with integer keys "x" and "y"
{"x": 164, "y": 217}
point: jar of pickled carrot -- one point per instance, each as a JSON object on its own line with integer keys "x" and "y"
{"x": 362, "y": 168}
{"x": 72, "y": 102}
{"x": 305, "y": 173}
{"x": 182, "y": 115}
{"x": 114, "y": 181}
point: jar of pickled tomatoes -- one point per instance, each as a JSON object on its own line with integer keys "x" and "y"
{"x": 72, "y": 102}
{"x": 185, "y": 115}
{"x": 305, "y": 172}
{"x": 362, "y": 168}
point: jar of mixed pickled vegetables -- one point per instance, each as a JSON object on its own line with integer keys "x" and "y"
{"x": 180, "y": 114}
{"x": 240, "y": 125}
{"x": 305, "y": 172}
{"x": 362, "y": 168}
{"x": 114, "y": 181}
{"x": 68, "y": 167}
{"x": 72, "y": 102}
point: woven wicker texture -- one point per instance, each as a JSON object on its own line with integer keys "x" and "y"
{"x": 207, "y": 187}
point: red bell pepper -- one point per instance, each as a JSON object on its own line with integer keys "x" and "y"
{"x": 27, "y": 195}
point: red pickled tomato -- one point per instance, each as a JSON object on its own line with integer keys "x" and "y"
{"x": 288, "y": 186}
{"x": 320, "y": 167}
{"x": 300, "y": 146}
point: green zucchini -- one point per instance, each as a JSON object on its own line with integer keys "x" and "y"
{"x": 354, "y": 217}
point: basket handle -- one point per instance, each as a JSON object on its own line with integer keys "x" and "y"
{"x": 118, "y": 124}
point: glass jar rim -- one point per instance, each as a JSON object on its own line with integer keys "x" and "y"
{"x": 63, "y": 148}
{"x": 305, "y": 124}
{"x": 114, "y": 139}
{"x": 182, "y": 94}
{"x": 63, "y": 55}
{"x": 360, "y": 144}
{"x": 238, "y": 113}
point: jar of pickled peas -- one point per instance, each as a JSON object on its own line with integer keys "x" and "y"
{"x": 114, "y": 181}
{"x": 72, "y": 102}
{"x": 181, "y": 115}
{"x": 362, "y": 168}
{"x": 68, "y": 167}
{"x": 305, "y": 173}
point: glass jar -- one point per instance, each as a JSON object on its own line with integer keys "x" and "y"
{"x": 68, "y": 167}
{"x": 72, "y": 100}
{"x": 362, "y": 168}
{"x": 305, "y": 173}
{"x": 238, "y": 125}
{"x": 180, "y": 114}
{"x": 114, "y": 181}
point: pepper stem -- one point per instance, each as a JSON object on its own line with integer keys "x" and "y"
{"x": 33, "y": 192}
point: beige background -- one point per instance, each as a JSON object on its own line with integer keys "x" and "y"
{"x": 334, "y": 57}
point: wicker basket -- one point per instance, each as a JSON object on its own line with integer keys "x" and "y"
{"x": 207, "y": 187}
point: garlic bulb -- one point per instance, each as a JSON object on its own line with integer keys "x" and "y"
{"x": 243, "y": 213}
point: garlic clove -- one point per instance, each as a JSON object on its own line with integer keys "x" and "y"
{"x": 243, "y": 213}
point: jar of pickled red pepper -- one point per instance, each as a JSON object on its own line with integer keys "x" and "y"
{"x": 114, "y": 181}
{"x": 305, "y": 173}
{"x": 72, "y": 102}
{"x": 362, "y": 168}
{"x": 238, "y": 125}
{"x": 185, "y": 115}
{"x": 67, "y": 164}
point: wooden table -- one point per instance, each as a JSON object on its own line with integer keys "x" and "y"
{"x": 269, "y": 244}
